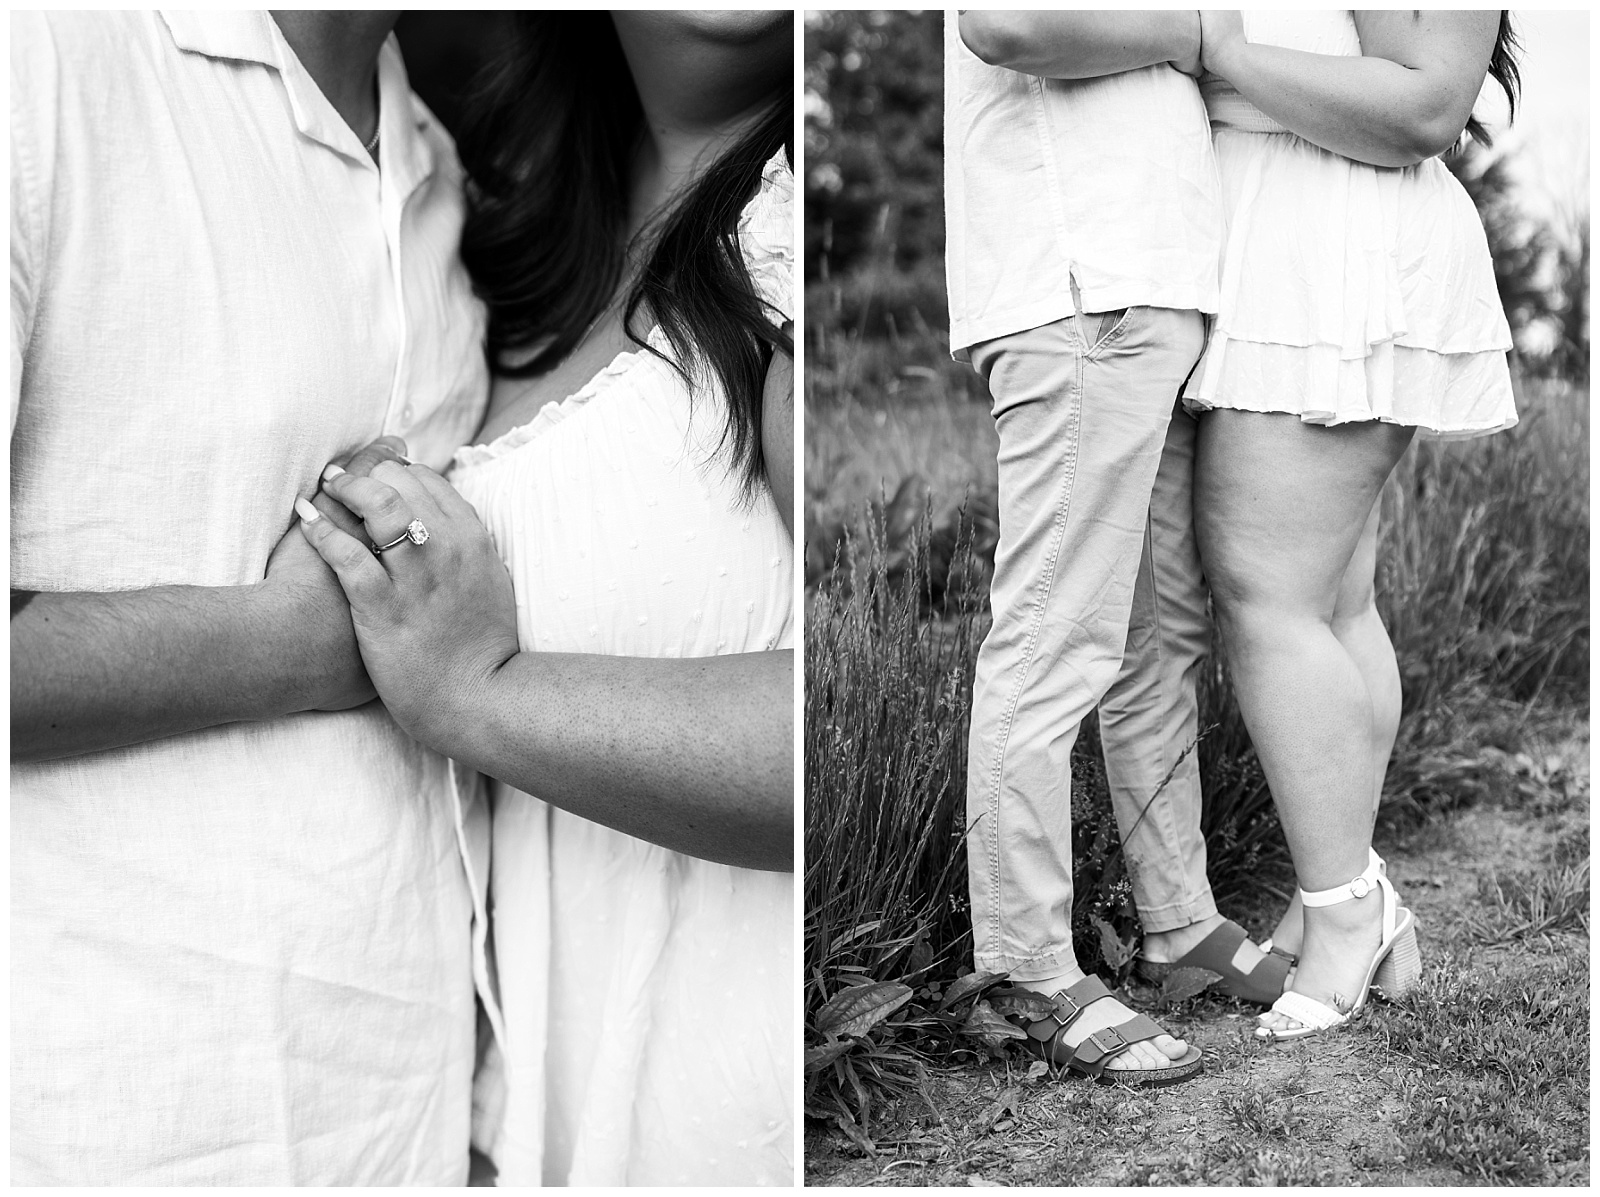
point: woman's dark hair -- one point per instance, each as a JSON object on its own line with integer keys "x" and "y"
{"x": 551, "y": 129}
{"x": 1503, "y": 70}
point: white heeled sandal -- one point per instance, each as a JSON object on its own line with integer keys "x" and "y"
{"x": 1266, "y": 945}
{"x": 1395, "y": 969}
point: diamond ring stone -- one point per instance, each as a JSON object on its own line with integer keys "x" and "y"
{"x": 416, "y": 532}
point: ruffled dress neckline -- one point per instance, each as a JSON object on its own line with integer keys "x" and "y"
{"x": 766, "y": 239}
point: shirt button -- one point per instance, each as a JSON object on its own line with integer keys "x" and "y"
{"x": 406, "y": 415}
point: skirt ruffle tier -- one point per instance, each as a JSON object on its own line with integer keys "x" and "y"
{"x": 1351, "y": 292}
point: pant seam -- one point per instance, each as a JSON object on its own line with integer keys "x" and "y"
{"x": 1170, "y": 831}
{"x": 1058, "y": 533}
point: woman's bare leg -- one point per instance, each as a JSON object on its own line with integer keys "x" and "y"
{"x": 1357, "y": 626}
{"x": 1360, "y": 629}
{"x": 1281, "y": 509}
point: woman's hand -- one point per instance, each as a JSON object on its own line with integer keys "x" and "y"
{"x": 1221, "y": 35}
{"x": 434, "y": 620}
{"x": 359, "y": 464}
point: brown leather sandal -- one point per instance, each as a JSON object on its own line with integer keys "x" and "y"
{"x": 1090, "y": 1057}
{"x": 1214, "y": 954}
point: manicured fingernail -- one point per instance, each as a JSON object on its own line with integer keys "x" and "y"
{"x": 332, "y": 472}
{"x": 403, "y": 459}
{"x": 306, "y": 511}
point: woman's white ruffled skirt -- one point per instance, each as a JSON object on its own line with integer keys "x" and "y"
{"x": 1351, "y": 292}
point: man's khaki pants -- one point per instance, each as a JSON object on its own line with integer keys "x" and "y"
{"x": 1097, "y": 600}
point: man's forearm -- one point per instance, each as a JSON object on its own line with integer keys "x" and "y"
{"x": 97, "y": 671}
{"x": 1080, "y": 44}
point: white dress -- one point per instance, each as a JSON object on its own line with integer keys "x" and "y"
{"x": 1349, "y": 292}
{"x": 648, "y": 997}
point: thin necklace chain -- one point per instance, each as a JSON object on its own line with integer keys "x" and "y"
{"x": 377, "y": 125}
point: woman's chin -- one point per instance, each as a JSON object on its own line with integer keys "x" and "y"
{"x": 730, "y": 26}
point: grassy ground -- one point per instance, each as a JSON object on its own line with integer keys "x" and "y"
{"x": 1481, "y": 1077}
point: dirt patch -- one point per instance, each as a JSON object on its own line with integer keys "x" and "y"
{"x": 1337, "y": 1110}
{"x": 1292, "y": 1113}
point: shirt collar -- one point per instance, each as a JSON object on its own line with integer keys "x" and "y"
{"x": 253, "y": 36}
{"x": 245, "y": 35}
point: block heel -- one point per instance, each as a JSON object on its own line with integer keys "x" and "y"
{"x": 1401, "y": 969}
{"x": 1395, "y": 968}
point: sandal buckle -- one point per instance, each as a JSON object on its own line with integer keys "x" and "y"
{"x": 1108, "y": 1040}
{"x": 1361, "y": 887}
{"x": 1066, "y": 1008}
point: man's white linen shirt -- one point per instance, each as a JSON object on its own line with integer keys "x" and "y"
{"x": 1108, "y": 182}
{"x": 244, "y": 955}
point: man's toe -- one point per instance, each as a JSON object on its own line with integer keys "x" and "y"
{"x": 1138, "y": 1055}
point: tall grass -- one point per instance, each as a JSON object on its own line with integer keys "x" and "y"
{"x": 890, "y": 688}
{"x": 1484, "y": 587}
{"x": 887, "y": 694}
{"x": 1486, "y": 555}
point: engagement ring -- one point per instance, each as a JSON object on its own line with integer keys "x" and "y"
{"x": 415, "y": 532}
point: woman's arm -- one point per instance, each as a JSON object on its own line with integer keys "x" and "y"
{"x": 1404, "y": 100}
{"x": 695, "y": 755}
{"x": 1082, "y": 44}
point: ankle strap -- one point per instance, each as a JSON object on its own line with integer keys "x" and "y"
{"x": 1357, "y": 887}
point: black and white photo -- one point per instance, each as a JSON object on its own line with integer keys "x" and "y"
{"x": 402, "y": 692}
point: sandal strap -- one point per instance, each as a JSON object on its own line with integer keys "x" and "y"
{"x": 1265, "y": 981}
{"x": 1375, "y": 877}
{"x": 1308, "y": 1012}
{"x": 1215, "y": 951}
{"x": 1070, "y": 1003}
{"x": 1272, "y": 949}
{"x": 1091, "y": 1055}
{"x": 1097, "y": 1050}
{"x": 1215, "y": 954}
{"x": 1140, "y": 1028}
{"x": 1371, "y": 878}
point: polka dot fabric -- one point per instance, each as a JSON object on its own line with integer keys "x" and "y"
{"x": 647, "y": 995}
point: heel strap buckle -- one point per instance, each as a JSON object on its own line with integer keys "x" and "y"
{"x": 1358, "y": 887}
